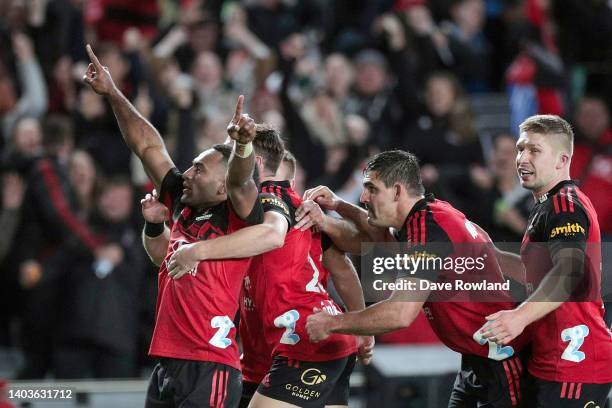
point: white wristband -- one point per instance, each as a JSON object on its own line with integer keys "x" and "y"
{"x": 243, "y": 150}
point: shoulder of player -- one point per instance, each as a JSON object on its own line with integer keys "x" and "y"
{"x": 424, "y": 226}
{"x": 568, "y": 199}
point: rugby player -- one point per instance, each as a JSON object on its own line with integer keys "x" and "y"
{"x": 572, "y": 347}
{"x": 198, "y": 357}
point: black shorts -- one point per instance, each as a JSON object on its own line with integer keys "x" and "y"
{"x": 309, "y": 384}
{"x": 248, "y": 390}
{"x": 187, "y": 383}
{"x": 489, "y": 383}
{"x": 549, "y": 394}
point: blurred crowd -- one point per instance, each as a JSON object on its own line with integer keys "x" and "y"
{"x": 341, "y": 80}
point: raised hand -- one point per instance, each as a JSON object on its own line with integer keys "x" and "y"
{"x": 323, "y": 196}
{"x": 97, "y": 75}
{"x": 242, "y": 127}
{"x": 152, "y": 210}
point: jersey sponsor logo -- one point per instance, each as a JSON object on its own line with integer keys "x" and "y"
{"x": 591, "y": 404}
{"x": 302, "y": 393}
{"x": 312, "y": 376}
{"x": 203, "y": 217}
{"x": 275, "y": 202}
{"x": 567, "y": 230}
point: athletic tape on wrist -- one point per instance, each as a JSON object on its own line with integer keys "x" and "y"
{"x": 243, "y": 150}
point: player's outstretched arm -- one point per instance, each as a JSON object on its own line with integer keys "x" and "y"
{"x": 330, "y": 201}
{"x": 155, "y": 234}
{"x": 241, "y": 187}
{"x": 140, "y": 136}
{"x": 382, "y": 317}
{"x": 244, "y": 243}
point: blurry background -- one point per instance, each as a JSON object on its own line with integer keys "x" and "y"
{"x": 449, "y": 80}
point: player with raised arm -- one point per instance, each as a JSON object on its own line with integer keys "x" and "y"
{"x": 194, "y": 336}
{"x": 561, "y": 250}
{"x": 394, "y": 197}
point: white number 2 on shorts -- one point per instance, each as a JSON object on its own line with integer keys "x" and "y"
{"x": 224, "y": 325}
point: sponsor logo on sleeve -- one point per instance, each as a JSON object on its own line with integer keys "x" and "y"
{"x": 567, "y": 230}
{"x": 275, "y": 202}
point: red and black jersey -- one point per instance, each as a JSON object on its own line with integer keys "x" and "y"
{"x": 194, "y": 314}
{"x": 436, "y": 227}
{"x": 286, "y": 284}
{"x": 572, "y": 343}
{"x": 256, "y": 354}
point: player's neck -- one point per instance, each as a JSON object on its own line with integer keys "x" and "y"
{"x": 206, "y": 206}
{"x": 549, "y": 186}
{"x": 404, "y": 208}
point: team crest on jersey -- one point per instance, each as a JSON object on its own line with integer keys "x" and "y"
{"x": 568, "y": 230}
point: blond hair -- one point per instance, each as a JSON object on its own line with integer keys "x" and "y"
{"x": 550, "y": 125}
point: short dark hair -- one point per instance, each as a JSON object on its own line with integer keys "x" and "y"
{"x": 289, "y": 158}
{"x": 269, "y": 145}
{"x": 397, "y": 166}
{"x": 550, "y": 125}
{"x": 225, "y": 150}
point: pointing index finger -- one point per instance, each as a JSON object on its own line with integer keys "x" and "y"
{"x": 93, "y": 57}
{"x": 238, "y": 112}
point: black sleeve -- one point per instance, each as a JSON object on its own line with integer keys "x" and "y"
{"x": 270, "y": 202}
{"x": 256, "y": 214}
{"x": 171, "y": 189}
{"x": 567, "y": 230}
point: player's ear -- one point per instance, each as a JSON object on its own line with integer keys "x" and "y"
{"x": 221, "y": 188}
{"x": 563, "y": 161}
{"x": 258, "y": 160}
{"x": 397, "y": 191}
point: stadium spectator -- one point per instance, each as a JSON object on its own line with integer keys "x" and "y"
{"x": 97, "y": 326}
{"x": 495, "y": 190}
{"x": 49, "y": 220}
{"x": 85, "y": 181}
